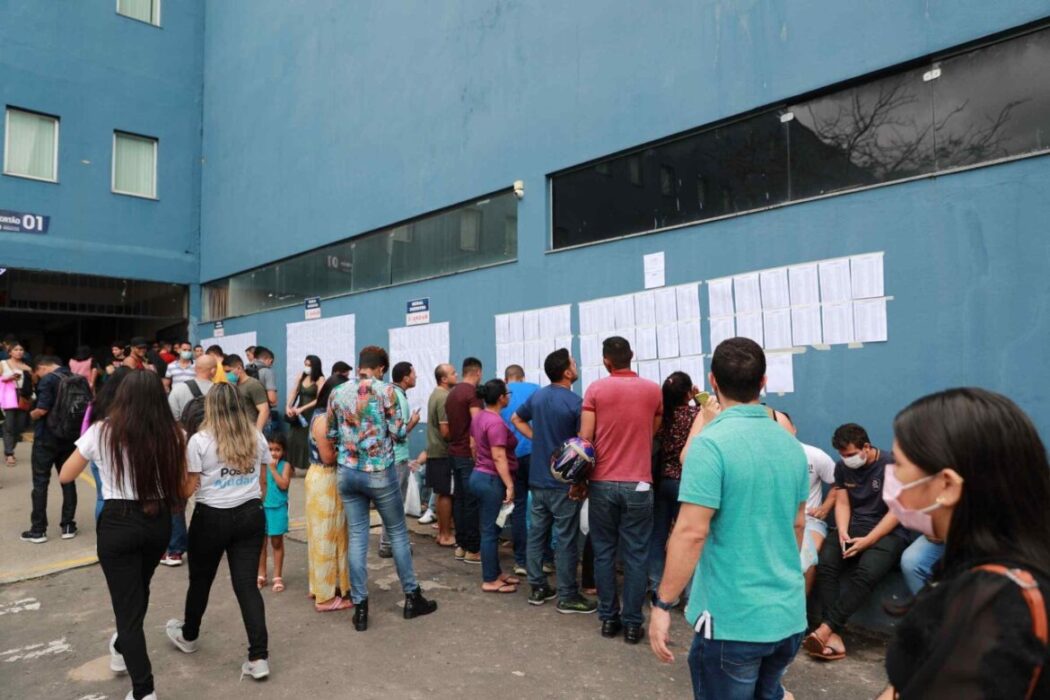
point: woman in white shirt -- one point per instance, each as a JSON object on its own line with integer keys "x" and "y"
{"x": 227, "y": 461}
{"x": 15, "y": 375}
{"x": 140, "y": 453}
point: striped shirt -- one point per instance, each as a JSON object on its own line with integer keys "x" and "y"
{"x": 178, "y": 374}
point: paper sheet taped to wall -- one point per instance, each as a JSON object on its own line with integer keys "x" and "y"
{"x": 233, "y": 344}
{"x": 426, "y": 347}
{"x": 331, "y": 339}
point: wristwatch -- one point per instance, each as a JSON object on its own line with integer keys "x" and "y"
{"x": 657, "y": 603}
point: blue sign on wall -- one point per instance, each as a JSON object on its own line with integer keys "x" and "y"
{"x": 22, "y": 222}
{"x": 313, "y": 308}
{"x": 417, "y": 305}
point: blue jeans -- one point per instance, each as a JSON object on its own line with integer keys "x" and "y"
{"x": 665, "y": 510}
{"x": 358, "y": 489}
{"x": 554, "y": 508}
{"x": 621, "y": 519}
{"x": 490, "y": 492}
{"x": 177, "y": 543}
{"x": 98, "y": 491}
{"x": 464, "y": 505}
{"x": 723, "y": 670}
{"x": 403, "y": 473}
{"x": 918, "y": 561}
{"x": 518, "y": 527}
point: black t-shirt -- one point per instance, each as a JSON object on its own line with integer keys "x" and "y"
{"x": 864, "y": 488}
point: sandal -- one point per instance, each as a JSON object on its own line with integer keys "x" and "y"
{"x": 278, "y": 584}
{"x": 503, "y": 588}
{"x": 510, "y": 580}
{"x": 820, "y": 650}
{"x": 11, "y": 461}
{"x": 260, "y": 582}
{"x": 334, "y": 604}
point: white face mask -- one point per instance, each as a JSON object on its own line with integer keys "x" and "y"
{"x": 855, "y": 461}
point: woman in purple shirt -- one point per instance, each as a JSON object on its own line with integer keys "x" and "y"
{"x": 492, "y": 480}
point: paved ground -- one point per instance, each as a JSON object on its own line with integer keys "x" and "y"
{"x": 54, "y": 629}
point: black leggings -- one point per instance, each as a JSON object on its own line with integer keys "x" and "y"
{"x": 238, "y": 532}
{"x": 130, "y": 545}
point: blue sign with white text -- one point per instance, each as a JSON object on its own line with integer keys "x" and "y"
{"x": 22, "y": 222}
{"x": 418, "y": 305}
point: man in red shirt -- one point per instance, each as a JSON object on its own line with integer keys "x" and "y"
{"x": 461, "y": 406}
{"x": 621, "y": 413}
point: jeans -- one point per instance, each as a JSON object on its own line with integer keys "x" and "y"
{"x": 621, "y": 519}
{"x": 465, "y": 505}
{"x": 178, "y": 542}
{"x": 238, "y": 532}
{"x": 554, "y": 508}
{"x": 723, "y": 670}
{"x": 490, "y": 493}
{"x": 14, "y": 424}
{"x": 47, "y": 455}
{"x": 403, "y": 473}
{"x": 844, "y": 584}
{"x": 358, "y": 489}
{"x": 918, "y": 561}
{"x": 665, "y": 510}
{"x": 130, "y": 544}
{"x": 518, "y": 528}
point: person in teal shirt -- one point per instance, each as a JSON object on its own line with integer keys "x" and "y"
{"x": 743, "y": 494}
{"x": 520, "y": 390}
{"x": 404, "y": 376}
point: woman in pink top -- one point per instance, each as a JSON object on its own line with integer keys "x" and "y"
{"x": 84, "y": 364}
{"x": 492, "y": 480}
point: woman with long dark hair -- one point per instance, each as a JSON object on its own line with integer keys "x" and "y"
{"x": 679, "y": 413}
{"x": 16, "y": 390}
{"x": 97, "y": 411}
{"x": 141, "y": 457}
{"x": 302, "y": 402}
{"x": 326, "y": 535}
{"x": 227, "y": 460}
{"x": 971, "y": 470}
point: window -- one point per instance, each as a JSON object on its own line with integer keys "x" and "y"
{"x": 142, "y": 10}
{"x": 967, "y": 109}
{"x": 134, "y": 165}
{"x": 31, "y": 145}
{"x": 460, "y": 238}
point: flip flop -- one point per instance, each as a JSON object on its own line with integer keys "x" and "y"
{"x": 510, "y": 580}
{"x": 821, "y": 651}
{"x": 334, "y": 604}
{"x": 278, "y": 584}
{"x": 504, "y": 588}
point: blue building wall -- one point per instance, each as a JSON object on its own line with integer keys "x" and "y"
{"x": 319, "y": 128}
{"x": 99, "y": 71}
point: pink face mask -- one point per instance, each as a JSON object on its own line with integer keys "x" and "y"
{"x": 919, "y": 520}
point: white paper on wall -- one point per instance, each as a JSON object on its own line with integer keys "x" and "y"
{"x": 750, "y": 326}
{"x": 645, "y": 309}
{"x": 869, "y": 320}
{"x": 775, "y": 293}
{"x": 555, "y": 321}
{"x": 694, "y": 367}
{"x": 720, "y": 292}
{"x": 426, "y": 347}
{"x": 588, "y": 375}
{"x": 722, "y": 328}
{"x": 645, "y": 343}
{"x": 746, "y": 293}
{"x": 804, "y": 283}
{"x": 866, "y": 276}
{"x": 563, "y": 341}
{"x": 667, "y": 340}
{"x": 838, "y": 323}
{"x": 623, "y": 312}
{"x": 666, "y": 306}
{"x": 530, "y": 321}
{"x": 331, "y": 339}
{"x": 777, "y": 329}
{"x": 590, "y": 351}
{"x": 805, "y": 325}
{"x": 530, "y": 355}
{"x": 835, "y": 281}
{"x": 650, "y": 370}
{"x": 689, "y": 337}
{"x": 780, "y": 373}
{"x": 502, "y": 328}
{"x": 516, "y": 328}
{"x": 235, "y": 345}
{"x": 687, "y": 299}
{"x": 669, "y": 367}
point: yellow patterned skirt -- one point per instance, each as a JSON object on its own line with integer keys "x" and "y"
{"x": 325, "y": 535}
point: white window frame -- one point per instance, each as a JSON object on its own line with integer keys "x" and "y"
{"x": 7, "y": 143}
{"x": 113, "y": 165}
{"x": 154, "y": 4}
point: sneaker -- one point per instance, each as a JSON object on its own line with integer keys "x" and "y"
{"x": 172, "y": 559}
{"x": 548, "y": 568}
{"x": 520, "y": 570}
{"x": 174, "y": 631}
{"x": 541, "y": 594}
{"x": 258, "y": 669}
{"x": 131, "y": 696}
{"x": 472, "y": 558}
{"x": 427, "y": 517}
{"x": 69, "y": 531}
{"x": 577, "y": 604}
{"x": 34, "y": 537}
{"x": 460, "y": 553}
{"x": 116, "y": 659}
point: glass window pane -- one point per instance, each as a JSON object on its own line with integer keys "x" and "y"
{"x": 994, "y": 102}
{"x": 31, "y": 144}
{"x": 144, "y": 10}
{"x": 134, "y": 165}
{"x": 873, "y": 133}
{"x": 371, "y": 261}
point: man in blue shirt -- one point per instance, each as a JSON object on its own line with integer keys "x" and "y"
{"x": 520, "y": 390}
{"x": 549, "y": 417}
{"x": 748, "y": 602}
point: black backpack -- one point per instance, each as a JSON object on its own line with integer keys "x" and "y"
{"x": 252, "y": 370}
{"x": 193, "y": 412}
{"x": 72, "y": 399}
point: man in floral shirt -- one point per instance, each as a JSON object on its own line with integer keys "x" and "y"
{"x": 363, "y": 422}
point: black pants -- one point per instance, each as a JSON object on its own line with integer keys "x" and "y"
{"x": 466, "y": 513}
{"x": 587, "y": 572}
{"x": 14, "y": 423}
{"x": 47, "y": 455}
{"x": 130, "y": 545}
{"x": 845, "y": 584}
{"x": 238, "y": 532}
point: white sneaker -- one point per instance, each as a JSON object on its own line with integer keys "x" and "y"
{"x": 116, "y": 659}
{"x": 256, "y": 669}
{"x": 131, "y": 696}
{"x": 174, "y": 630}
{"x": 427, "y": 517}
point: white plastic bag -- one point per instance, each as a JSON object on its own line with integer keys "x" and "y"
{"x": 412, "y": 504}
{"x": 585, "y": 522}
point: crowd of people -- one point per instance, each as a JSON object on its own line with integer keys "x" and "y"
{"x": 707, "y": 502}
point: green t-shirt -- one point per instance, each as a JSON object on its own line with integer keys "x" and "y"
{"x": 401, "y": 446}
{"x": 436, "y": 445}
{"x": 252, "y": 393}
{"x": 748, "y": 582}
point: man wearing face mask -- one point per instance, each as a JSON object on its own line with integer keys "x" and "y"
{"x": 250, "y": 389}
{"x": 182, "y": 369}
{"x": 869, "y": 543}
